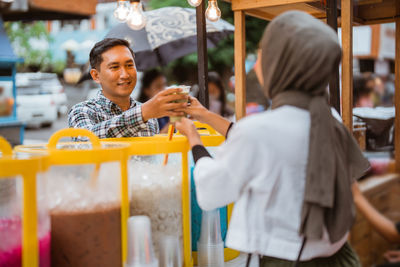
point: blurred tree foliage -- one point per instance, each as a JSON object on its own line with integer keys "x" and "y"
{"x": 220, "y": 58}
{"x": 21, "y": 36}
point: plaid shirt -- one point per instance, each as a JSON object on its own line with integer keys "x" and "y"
{"x": 105, "y": 118}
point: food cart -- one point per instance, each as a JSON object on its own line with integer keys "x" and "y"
{"x": 383, "y": 191}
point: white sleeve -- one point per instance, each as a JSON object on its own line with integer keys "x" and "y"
{"x": 219, "y": 180}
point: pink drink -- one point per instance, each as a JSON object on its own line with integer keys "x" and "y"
{"x": 11, "y": 248}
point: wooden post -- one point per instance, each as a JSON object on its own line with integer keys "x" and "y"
{"x": 334, "y": 90}
{"x": 397, "y": 98}
{"x": 93, "y": 23}
{"x": 48, "y": 25}
{"x": 202, "y": 54}
{"x": 347, "y": 63}
{"x": 240, "y": 72}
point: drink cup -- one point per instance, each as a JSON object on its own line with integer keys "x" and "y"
{"x": 185, "y": 91}
{"x": 210, "y": 245}
{"x": 170, "y": 252}
{"x": 140, "y": 247}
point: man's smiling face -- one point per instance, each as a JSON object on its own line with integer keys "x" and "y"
{"x": 116, "y": 73}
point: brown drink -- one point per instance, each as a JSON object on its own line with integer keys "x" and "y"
{"x": 185, "y": 91}
{"x": 86, "y": 238}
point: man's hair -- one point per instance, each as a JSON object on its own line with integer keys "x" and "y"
{"x": 100, "y": 47}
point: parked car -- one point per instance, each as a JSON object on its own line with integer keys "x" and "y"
{"x": 45, "y": 82}
{"x": 35, "y": 106}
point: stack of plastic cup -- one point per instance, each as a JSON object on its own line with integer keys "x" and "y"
{"x": 210, "y": 246}
{"x": 170, "y": 252}
{"x": 140, "y": 248}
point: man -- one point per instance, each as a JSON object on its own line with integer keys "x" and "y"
{"x": 113, "y": 113}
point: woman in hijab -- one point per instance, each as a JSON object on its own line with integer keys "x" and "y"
{"x": 288, "y": 170}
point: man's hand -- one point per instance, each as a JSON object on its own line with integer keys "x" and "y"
{"x": 162, "y": 104}
{"x": 187, "y": 128}
{"x": 392, "y": 256}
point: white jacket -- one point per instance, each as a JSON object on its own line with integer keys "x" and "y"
{"x": 262, "y": 169}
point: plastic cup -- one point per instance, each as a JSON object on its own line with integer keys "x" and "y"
{"x": 210, "y": 255}
{"x": 210, "y": 245}
{"x": 140, "y": 248}
{"x": 170, "y": 252}
{"x": 185, "y": 91}
{"x": 210, "y": 227}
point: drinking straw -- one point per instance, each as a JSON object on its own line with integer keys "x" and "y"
{"x": 170, "y": 134}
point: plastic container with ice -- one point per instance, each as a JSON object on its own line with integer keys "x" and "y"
{"x": 161, "y": 192}
{"x": 156, "y": 193}
{"x": 88, "y": 197}
{"x": 23, "y": 203}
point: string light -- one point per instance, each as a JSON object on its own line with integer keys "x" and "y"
{"x": 136, "y": 19}
{"x": 194, "y": 3}
{"x": 122, "y": 11}
{"x": 213, "y": 13}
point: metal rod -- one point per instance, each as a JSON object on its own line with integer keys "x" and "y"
{"x": 202, "y": 54}
{"x": 334, "y": 91}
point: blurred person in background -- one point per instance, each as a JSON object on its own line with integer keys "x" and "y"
{"x": 383, "y": 94}
{"x": 363, "y": 91}
{"x": 384, "y": 226}
{"x": 217, "y": 96}
{"x": 388, "y": 97}
{"x": 153, "y": 82}
{"x": 256, "y": 101}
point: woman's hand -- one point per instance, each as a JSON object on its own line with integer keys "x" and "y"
{"x": 187, "y": 128}
{"x": 357, "y": 195}
{"x": 196, "y": 110}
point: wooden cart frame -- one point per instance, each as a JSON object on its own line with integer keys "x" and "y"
{"x": 368, "y": 12}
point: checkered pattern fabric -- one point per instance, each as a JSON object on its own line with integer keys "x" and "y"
{"x": 105, "y": 119}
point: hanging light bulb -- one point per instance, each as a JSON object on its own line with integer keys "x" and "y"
{"x": 121, "y": 13}
{"x": 136, "y": 19}
{"x": 194, "y": 3}
{"x": 213, "y": 13}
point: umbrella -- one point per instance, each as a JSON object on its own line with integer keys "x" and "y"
{"x": 170, "y": 33}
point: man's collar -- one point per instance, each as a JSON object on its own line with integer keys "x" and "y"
{"x": 108, "y": 104}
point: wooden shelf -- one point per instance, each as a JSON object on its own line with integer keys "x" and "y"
{"x": 365, "y": 11}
